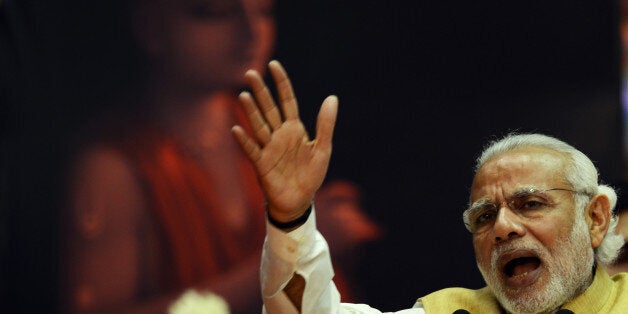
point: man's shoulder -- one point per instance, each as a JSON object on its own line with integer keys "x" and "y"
{"x": 450, "y": 299}
{"x": 458, "y": 293}
{"x": 605, "y": 295}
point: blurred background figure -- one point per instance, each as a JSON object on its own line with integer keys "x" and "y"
{"x": 162, "y": 200}
{"x": 341, "y": 218}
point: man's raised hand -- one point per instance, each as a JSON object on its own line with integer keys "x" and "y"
{"x": 289, "y": 165}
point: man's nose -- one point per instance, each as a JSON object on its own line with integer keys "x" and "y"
{"x": 507, "y": 225}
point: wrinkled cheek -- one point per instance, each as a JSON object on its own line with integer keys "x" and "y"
{"x": 482, "y": 253}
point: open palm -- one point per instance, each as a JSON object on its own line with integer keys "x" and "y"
{"x": 289, "y": 165}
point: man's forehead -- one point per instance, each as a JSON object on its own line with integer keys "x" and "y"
{"x": 518, "y": 169}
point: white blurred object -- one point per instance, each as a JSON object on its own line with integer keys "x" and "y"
{"x": 194, "y": 302}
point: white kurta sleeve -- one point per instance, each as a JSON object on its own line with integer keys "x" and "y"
{"x": 303, "y": 251}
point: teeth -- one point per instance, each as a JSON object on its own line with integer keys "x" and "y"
{"x": 520, "y": 275}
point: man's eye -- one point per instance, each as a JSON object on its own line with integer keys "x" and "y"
{"x": 485, "y": 217}
{"x": 531, "y": 204}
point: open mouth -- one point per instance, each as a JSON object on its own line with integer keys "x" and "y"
{"x": 520, "y": 268}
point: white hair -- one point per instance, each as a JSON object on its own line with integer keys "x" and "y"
{"x": 580, "y": 173}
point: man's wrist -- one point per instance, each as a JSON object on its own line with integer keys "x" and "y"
{"x": 292, "y": 224}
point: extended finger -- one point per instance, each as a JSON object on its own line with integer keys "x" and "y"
{"x": 326, "y": 122}
{"x": 260, "y": 129}
{"x": 264, "y": 99}
{"x": 288, "y": 101}
{"x": 250, "y": 148}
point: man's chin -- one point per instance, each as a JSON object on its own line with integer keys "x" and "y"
{"x": 524, "y": 292}
{"x": 528, "y": 299}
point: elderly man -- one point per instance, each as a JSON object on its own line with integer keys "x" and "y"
{"x": 542, "y": 226}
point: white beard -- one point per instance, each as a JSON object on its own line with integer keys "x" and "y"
{"x": 569, "y": 267}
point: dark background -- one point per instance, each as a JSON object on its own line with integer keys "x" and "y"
{"x": 423, "y": 85}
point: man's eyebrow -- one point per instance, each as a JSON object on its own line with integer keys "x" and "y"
{"x": 519, "y": 192}
{"x": 525, "y": 191}
{"x": 477, "y": 205}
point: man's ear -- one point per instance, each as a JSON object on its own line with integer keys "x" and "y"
{"x": 598, "y": 217}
